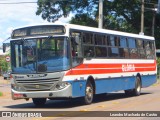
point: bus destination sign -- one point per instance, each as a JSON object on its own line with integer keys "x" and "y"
{"x": 38, "y": 30}
{"x": 20, "y": 32}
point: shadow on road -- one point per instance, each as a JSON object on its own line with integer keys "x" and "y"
{"x": 70, "y": 103}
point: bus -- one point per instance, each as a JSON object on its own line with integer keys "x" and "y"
{"x": 58, "y": 61}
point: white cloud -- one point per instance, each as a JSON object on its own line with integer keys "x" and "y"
{"x": 9, "y": 30}
{"x": 1, "y": 40}
{"x": 16, "y": 15}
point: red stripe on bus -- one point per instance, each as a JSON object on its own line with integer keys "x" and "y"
{"x": 111, "y": 68}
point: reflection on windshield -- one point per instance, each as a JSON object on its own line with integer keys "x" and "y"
{"x": 39, "y": 55}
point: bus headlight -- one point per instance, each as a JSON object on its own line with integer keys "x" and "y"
{"x": 62, "y": 85}
{"x": 16, "y": 87}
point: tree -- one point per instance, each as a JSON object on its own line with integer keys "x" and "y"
{"x": 122, "y": 15}
{"x": 52, "y": 11}
{"x": 4, "y": 65}
{"x": 84, "y": 19}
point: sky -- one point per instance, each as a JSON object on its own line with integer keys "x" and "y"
{"x": 17, "y": 15}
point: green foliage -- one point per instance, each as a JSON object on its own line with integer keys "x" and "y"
{"x": 4, "y": 65}
{"x": 52, "y": 11}
{"x": 84, "y": 19}
{"x": 121, "y": 15}
{"x": 1, "y": 94}
{"x": 158, "y": 62}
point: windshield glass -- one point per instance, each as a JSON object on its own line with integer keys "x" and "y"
{"x": 40, "y": 55}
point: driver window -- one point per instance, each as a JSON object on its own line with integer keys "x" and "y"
{"x": 76, "y": 48}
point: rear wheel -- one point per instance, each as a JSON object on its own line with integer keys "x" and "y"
{"x": 137, "y": 90}
{"x": 39, "y": 101}
{"x": 89, "y": 92}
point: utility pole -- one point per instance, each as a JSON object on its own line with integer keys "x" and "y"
{"x": 153, "y": 20}
{"x": 100, "y": 24}
{"x": 158, "y": 9}
{"x": 142, "y": 18}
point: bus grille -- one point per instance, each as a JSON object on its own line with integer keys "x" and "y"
{"x": 38, "y": 84}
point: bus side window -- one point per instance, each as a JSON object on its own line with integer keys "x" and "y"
{"x": 76, "y": 48}
{"x": 149, "y": 50}
{"x": 141, "y": 49}
{"x": 101, "y": 51}
{"x": 88, "y": 38}
{"x": 132, "y": 48}
{"x": 123, "y": 50}
{"x": 88, "y": 51}
{"x": 152, "y": 48}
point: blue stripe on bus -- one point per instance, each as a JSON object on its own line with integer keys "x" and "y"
{"x": 111, "y": 84}
{"x": 148, "y": 80}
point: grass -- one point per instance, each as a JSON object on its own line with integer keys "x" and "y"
{"x": 1, "y": 94}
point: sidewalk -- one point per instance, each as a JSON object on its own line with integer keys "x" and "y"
{"x": 2, "y": 81}
{"x": 5, "y": 88}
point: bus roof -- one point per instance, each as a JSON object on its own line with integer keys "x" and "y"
{"x": 93, "y": 29}
{"x": 112, "y": 32}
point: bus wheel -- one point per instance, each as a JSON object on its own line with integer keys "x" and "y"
{"x": 89, "y": 92}
{"x": 137, "y": 89}
{"x": 39, "y": 101}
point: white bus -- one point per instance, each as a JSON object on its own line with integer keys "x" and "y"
{"x": 69, "y": 61}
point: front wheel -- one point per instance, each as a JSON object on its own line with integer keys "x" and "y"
{"x": 39, "y": 101}
{"x": 89, "y": 92}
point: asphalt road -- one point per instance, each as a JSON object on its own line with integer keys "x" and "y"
{"x": 149, "y": 100}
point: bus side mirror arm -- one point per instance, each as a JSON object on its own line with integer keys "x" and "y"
{"x": 4, "y": 47}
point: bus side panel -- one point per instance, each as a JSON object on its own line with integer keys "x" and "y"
{"x": 114, "y": 84}
{"x": 148, "y": 80}
{"x": 78, "y": 88}
{"x": 111, "y": 84}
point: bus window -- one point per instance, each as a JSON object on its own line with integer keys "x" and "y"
{"x": 132, "y": 48}
{"x": 152, "y": 49}
{"x": 141, "y": 50}
{"x": 101, "y": 51}
{"x": 113, "y": 52}
{"x": 149, "y": 47}
{"x": 133, "y": 53}
{"x": 88, "y": 38}
{"x": 117, "y": 41}
{"x": 112, "y": 41}
{"x": 88, "y": 51}
{"x": 131, "y": 43}
{"x": 76, "y": 51}
{"x": 100, "y": 40}
{"x": 123, "y": 52}
{"x": 123, "y": 42}
{"x": 140, "y": 44}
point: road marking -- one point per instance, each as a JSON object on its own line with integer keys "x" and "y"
{"x": 101, "y": 106}
{"x": 116, "y": 102}
{"x": 83, "y": 110}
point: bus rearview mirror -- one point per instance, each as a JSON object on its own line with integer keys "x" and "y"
{"x": 4, "y": 47}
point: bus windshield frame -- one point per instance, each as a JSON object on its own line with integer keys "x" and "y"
{"x": 40, "y": 55}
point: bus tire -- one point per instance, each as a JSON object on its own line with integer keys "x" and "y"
{"x": 39, "y": 101}
{"x": 137, "y": 90}
{"x": 89, "y": 93}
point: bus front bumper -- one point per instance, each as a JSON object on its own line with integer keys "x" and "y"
{"x": 63, "y": 93}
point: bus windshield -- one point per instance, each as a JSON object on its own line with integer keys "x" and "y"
{"x": 39, "y": 55}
